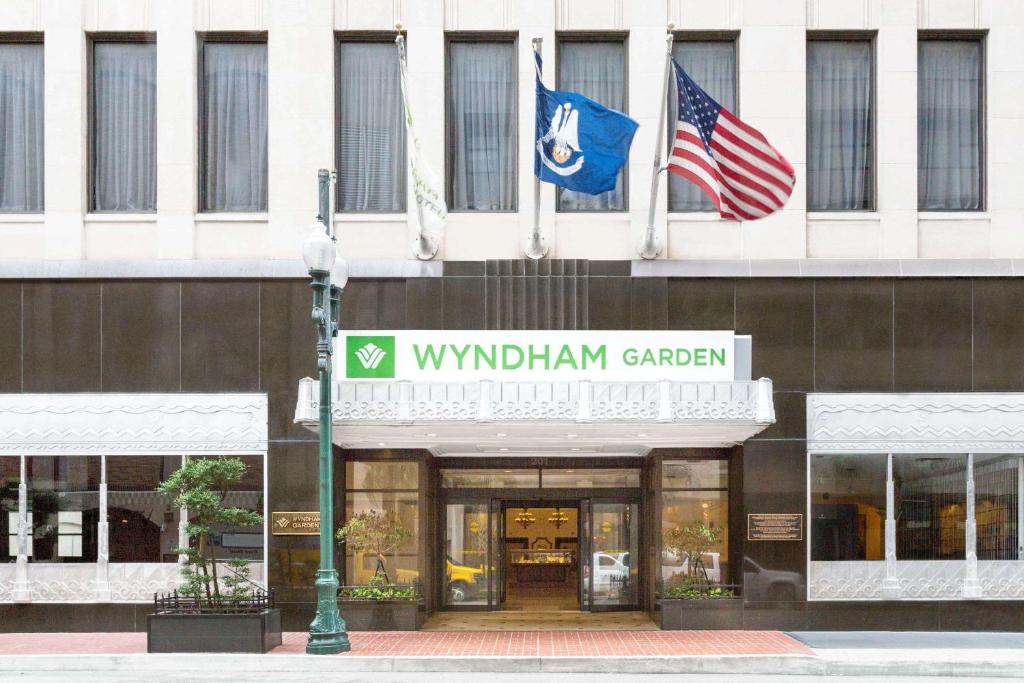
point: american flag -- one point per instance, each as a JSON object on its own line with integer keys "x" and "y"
{"x": 731, "y": 162}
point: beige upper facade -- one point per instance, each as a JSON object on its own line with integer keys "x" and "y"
{"x": 771, "y": 49}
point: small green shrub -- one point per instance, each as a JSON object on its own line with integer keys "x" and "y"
{"x": 379, "y": 589}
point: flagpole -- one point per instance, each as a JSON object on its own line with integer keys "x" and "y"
{"x": 650, "y": 247}
{"x": 536, "y": 246}
{"x": 424, "y": 245}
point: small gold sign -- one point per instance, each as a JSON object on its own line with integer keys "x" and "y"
{"x": 295, "y": 523}
{"x": 775, "y": 527}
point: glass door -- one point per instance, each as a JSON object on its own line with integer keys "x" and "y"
{"x": 585, "y": 569}
{"x": 496, "y": 566}
{"x": 468, "y": 538}
{"x": 613, "y": 556}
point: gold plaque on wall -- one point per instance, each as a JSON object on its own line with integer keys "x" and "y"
{"x": 295, "y": 523}
{"x": 775, "y": 527}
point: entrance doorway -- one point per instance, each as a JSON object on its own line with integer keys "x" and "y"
{"x": 542, "y": 553}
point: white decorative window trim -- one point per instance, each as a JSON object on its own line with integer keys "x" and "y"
{"x": 138, "y": 424}
{"x": 916, "y": 423}
{"x": 891, "y": 424}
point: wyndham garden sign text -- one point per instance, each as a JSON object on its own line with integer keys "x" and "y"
{"x": 550, "y": 355}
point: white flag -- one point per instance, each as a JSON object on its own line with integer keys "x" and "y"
{"x": 431, "y": 210}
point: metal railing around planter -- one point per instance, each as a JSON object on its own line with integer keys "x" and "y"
{"x": 174, "y": 603}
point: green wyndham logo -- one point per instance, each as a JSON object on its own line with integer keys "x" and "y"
{"x": 370, "y": 357}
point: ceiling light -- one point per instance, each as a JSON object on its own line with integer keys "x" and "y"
{"x": 380, "y": 443}
{"x": 431, "y": 434}
{"x": 642, "y": 436}
{"x": 572, "y": 449}
{"x": 570, "y": 436}
{"x": 502, "y": 434}
{"x": 502, "y": 449}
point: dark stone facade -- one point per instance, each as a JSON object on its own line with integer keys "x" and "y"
{"x": 870, "y": 334}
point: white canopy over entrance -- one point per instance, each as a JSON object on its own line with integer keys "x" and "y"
{"x": 569, "y": 418}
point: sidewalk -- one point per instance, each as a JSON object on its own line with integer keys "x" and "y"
{"x": 677, "y": 652}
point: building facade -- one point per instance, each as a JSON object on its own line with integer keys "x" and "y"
{"x": 862, "y": 454}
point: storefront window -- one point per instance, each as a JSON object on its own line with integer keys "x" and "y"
{"x": 590, "y": 478}
{"x": 242, "y": 542}
{"x": 695, "y": 495}
{"x": 490, "y": 479}
{"x": 695, "y": 474}
{"x": 996, "y": 487}
{"x": 930, "y": 506}
{"x": 848, "y": 507}
{"x": 63, "y": 500}
{"x": 389, "y": 487}
{"x": 9, "y": 508}
{"x": 142, "y": 523}
{"x": 374, "y": 476}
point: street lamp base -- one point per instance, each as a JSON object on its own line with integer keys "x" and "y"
{"x": 327, "y": 635}
{"x": 327, "y": 644}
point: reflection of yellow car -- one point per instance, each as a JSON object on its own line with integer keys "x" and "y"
{"x": 463, "y": 581}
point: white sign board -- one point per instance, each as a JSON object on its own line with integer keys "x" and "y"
{"x": 548, "y": 355}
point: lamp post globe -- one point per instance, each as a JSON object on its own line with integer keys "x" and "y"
{"x": 339, "y": 273}
{"x": 318, "y": 250}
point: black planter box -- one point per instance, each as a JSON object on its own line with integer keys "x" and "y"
{"x": 713, "y": 614}
{"x": 381, "y": 615}
{"x": 256, "y": 632}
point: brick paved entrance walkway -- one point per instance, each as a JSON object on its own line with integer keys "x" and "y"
{"x": 461, "y": 644}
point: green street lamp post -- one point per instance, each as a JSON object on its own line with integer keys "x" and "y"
{"x": 327, "y": 633}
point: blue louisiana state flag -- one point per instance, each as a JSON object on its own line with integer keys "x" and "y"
{"x": 581, "y": 145}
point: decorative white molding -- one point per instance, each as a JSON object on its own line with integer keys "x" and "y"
{"x": 917, "y": 580}
{"x": 915, "y": 423}
{"x": 611, "y": 418}
{"x": 139, "y": 424}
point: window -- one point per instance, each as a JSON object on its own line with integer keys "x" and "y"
{"x": 595, "y": 69}
{"x": 996, "y": 506}
{"x": 930, "y": 506}
{"x": 122, "y": 126}
{"x": 392, "y": 488}
{"x": 63, "y": 501}
{"x": 848, "y": 507}
{"x": 712, "y": 64}
{"x": 590, "y": 478}
{"x": 840, "y": 125}
{"x": 21, "y": 127}
{"x": 481, "y": 125}
{"x": 142, "y": 523}
{"x": 490, "y": 479}
{"x": 9, "y": 480}
{"x": 694, "y": 493}
{"x": 949, "y": 125}
{"x": 233, "y": 126}
{"x": 370, "y": 128}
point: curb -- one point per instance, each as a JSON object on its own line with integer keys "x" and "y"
{"x": 795, "y": 665}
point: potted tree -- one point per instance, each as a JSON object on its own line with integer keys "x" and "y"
{"x": 380, "y": 604}
{"x": 693, "y": 598}
{"x": 217, "y": 608}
